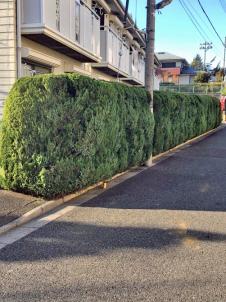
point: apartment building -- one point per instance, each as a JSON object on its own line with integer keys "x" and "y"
{"x": 56, "y": 36}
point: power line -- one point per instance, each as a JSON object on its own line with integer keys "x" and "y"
{"x": 191, "y": 19}
{"x": 195, "y": 20}
{"x": 210, "y": 22}
{"x": 205, "y": 24}
{"x": 200, "y": 17}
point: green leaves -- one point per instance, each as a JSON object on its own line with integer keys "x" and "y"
{"x": 62, "y": 133}
{"x": 180, "y": 117}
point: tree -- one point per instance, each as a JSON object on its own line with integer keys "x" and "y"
{"x": 202, "y": 77}
{"x": 218, "y": 73}
{"x": 197, "y": 63}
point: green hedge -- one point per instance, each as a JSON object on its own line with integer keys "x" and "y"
{"x": 62, "y": 133}
{"x": 180, "y": 117}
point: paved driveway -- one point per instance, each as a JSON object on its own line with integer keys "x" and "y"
{"x": 159, "y": 236}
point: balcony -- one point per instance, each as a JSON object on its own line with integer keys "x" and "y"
{"x": 137, "y": 69}
{"x": 115, "y": 54}
{"x": 69, "y": 27}
{"x": 117, "y": 59}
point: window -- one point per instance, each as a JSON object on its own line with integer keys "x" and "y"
{"x": 30, "y": 68}
{"x": 58, "y": 15}
{"x": 77, "y": 20}
{"x": 169, "y": 65}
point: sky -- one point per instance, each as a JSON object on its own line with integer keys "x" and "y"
{"x": 175, "y": 32}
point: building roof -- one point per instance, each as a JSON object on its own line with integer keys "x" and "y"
{"x": 166, "y": 56}
{"x": 188, "y": 70}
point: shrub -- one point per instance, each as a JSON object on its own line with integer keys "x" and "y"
{"x": 202, "y": 77}
{"x": 62, "y": 133}
{"x": 180, "y": 117}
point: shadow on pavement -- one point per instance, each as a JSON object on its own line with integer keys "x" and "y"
{"x": 65, "y": 239}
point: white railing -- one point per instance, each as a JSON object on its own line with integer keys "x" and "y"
{"x": 141, "y": 70}
{"x": 89, "y": 29}
{"x": 114, "y": 50}
{"x": 37, "y": 14}
{"x": 137, "y": 66}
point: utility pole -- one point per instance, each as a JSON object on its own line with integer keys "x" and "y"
{"x": 150, "y": 51}
{"x": 206, "y": 46}
{"x": 150, "y": 45}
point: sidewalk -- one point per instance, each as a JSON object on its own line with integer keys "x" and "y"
{"x": 13, "y": 205}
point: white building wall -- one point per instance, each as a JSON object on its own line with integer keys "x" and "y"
{"x": 184, "y": 79}
{"x": 8, "y": 69}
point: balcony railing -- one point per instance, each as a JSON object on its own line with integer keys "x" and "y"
{"x": 137, "y": 65}
{"x": 114, "y": 50}
{"x": 116, "y": 55}
{"x": 89, "y": 29}
{"x": 70, "y": 23}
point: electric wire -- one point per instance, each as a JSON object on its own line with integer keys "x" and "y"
{"x": 191, "y": 19}
{"x": 197, "y": 25}
{"x": 200, "y": 17}
{"x": 206, "y": 26}
{"x": 200, "y": 4}
{"x": 195, "y": 20}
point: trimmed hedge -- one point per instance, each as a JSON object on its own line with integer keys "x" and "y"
{"x": 180, "y": 117}
{"x": 62, "y": 133}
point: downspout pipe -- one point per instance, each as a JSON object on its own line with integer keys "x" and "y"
{"x": 18, "y": 38}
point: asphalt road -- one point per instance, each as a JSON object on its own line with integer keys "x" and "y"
{"x": 159, "y": 236}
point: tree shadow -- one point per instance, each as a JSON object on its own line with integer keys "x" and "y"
{"x": 65, "y": 239}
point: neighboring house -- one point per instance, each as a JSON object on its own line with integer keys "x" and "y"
{"x": 55, "y": 36}
{"x": 175, "y": 69}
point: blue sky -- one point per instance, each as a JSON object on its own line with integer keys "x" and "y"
{"x": 175, "y": 32}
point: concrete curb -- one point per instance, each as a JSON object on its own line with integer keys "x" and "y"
{"x": 53, "y": 204}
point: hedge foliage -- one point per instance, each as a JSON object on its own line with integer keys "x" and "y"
{"x": 180, "y": 117}
{"x": 62, "y": 133}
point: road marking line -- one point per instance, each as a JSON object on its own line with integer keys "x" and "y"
{"x": 32, "y": 226}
